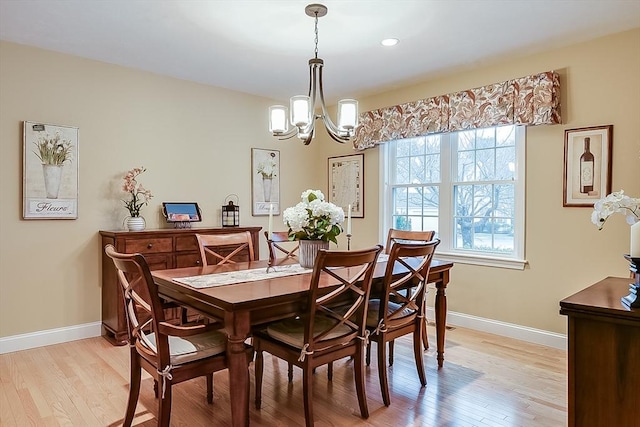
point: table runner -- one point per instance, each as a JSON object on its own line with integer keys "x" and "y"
{"x": 243, "y": 276}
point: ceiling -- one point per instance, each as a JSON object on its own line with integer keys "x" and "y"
{"x": 262, "y": 47}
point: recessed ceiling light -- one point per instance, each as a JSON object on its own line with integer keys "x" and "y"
{"x": 389, "y": 42}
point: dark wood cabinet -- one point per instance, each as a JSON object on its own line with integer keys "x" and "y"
{"x": 163, "y": 248}
{"x": 603, "y": 357}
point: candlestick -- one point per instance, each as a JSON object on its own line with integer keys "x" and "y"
{"x": 349, "y": 220}
{"x": 348, "y": 242}
{"x": 270, "y": 229}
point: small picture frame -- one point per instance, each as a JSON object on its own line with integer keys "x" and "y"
{"x": 346, "y": 183}
{"x": 50, "y": 171}
{"x": 587, "y": 165}
{"x": 265, "y": 181}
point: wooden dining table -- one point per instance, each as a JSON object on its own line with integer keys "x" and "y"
{"x": 241, "y": 306}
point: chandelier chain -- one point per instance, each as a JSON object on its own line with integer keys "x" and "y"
{"x": 316, "y": 38}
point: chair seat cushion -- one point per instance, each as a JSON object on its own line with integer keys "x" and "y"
{"x": 291, "y": 331}
{"x": 374, "y": 308}
{"x": 196, "y": 347}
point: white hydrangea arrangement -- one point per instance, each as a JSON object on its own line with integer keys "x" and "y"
{"x": 314, "y": 218}
{"x": 616, "y": 202}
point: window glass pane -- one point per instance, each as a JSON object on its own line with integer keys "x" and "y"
{"x": 432, "y": 144}
{"x": 485, "y": 165}
{"x": 505, "y": 201}
{"x": 485, "y": 138}
{"x": 402, "y": 171}
{"x": 399, "y": 201}
{"x": 466, "y": 166}
{"x": 403, "y": 147}
{"x": 417, "y": 146}
{"x": 432, "y": 171}
{"x": 417, "y": 170}
{"x": 466, "y": 139}
{"x": 505, "y": 163}
{"x": 505, "y": 135}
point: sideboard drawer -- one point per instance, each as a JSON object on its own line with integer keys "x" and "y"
{"x": 188, "y": 260}
{"x": 186, "y": 243}
{"x": 148, "y": 246}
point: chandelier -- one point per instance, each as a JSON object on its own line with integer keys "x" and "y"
{"x": 302, "y": 107}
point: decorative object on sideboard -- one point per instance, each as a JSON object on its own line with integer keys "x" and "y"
{"x": 302, "y": 108}
{"x": 181, "y": 214}
{"x": 231, "y": 212}
{"x": 138, "y": 197}
{"x": 618, "y": 202}
{"x": 587, "y": 165}
{"x": 50, "y": 171}
{"x": 313, "y": 219}
{"x": 633, "y": 299}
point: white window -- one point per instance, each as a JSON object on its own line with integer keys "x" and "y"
{"x": 468, "y": 186}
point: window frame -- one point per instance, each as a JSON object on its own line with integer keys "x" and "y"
{"x": 446, "y": 251}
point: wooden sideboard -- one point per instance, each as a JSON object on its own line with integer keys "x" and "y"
{"x": 162, "y": 248}
{"x": 604, "y": 356}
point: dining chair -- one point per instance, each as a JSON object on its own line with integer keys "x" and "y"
{"x": 170, "y": 354}
{"x": 400, "y": 308}
{"x": 394, "y": 235}
{"x": 280, "y": 247}
{"x": 319, "y": 334}
{"x": 221, "y": 248}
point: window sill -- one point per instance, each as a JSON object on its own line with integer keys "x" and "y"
{"x": 485, "y": 261}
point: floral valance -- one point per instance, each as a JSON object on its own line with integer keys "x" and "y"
{"x": 530, "y": 100}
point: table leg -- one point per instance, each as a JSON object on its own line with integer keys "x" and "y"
{"x": 237, "y": 325}
{"x": 441, "y": 319}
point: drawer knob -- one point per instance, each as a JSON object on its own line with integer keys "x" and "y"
{"x": 150, "y": 245}
{"x": 198, "y": 262}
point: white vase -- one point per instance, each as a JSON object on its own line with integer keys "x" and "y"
{"x": 634, "y": 250}
{"x": 266, "y": 187}
{"x": 135, "y": 223}
{"x": 309, "y": 250}
{"x": 52, "y": 177}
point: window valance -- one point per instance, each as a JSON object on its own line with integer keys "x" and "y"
{"x": 530, "y": 100}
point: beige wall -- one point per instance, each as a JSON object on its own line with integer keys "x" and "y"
{"x": 195, "y": 141}
{"x": 600, "y": 85}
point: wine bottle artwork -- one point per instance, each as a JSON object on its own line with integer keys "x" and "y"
{"x": 586, "y": 168}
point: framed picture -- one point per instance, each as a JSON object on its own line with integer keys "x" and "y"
{"x": 50, "y": 171}
{"x": 181, "y": 211}
{"x": 265, "y": 181}
{"x": 346, "y": 183}
{"x": 587, "y": 165}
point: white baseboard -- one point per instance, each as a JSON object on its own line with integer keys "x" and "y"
{"x": 524, "y": 333}
{"x": 89, "y": 330}
{"x": 49, "y": 337}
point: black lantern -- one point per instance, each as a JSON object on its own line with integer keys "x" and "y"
{"x": 230, "y": 212}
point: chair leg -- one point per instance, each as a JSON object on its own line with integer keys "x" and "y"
{"x": 259, "y": 366}
{"x": 425, "y": 338}
{"x": 358, "y": 369}
{"x": 368, "y": 356}
{"x": 417, "y": 351}
{"x": 307, "y": 390}
{"x": 134, "y": 389}
{"x": 382, "y": 371}
{"x": 164, "y": 405}
{"x": 290, "y": 372}
{"x": 391, "y": 345}
{"x": 210, "y": 388}
{"x": 330, "y": 371}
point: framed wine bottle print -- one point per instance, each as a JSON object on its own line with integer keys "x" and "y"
{"x": 587, "y": 165}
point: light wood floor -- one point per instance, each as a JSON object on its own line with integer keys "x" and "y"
{"x": 486, "y": 381}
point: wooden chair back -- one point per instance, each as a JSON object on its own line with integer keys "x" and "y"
{"x": 395, "y": 235}
{"x": 353, "y": 272}
{"x": 235, "y": 244}
{"x": 406, "y": 291}
{"x": 280, "y": 247}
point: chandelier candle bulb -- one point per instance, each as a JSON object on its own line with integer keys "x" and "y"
{"x": 634, "y": 250}
{"x": 347, "y": 114}
{"x": 278, "y": 119}
{"x": 300, "y": 111}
